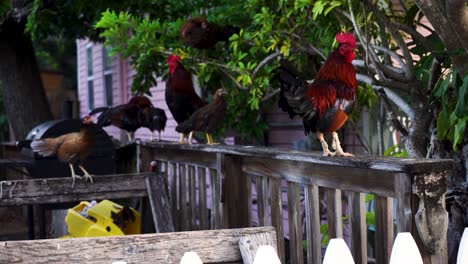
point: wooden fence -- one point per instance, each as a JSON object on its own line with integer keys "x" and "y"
{"x": 415, "y": 188}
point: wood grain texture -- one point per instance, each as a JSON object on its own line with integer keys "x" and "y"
{"x": 160, "y": 203}
{"x": 295, "y": 225}
{"x": 192, "y": 198}
{"x": 312, "y": 210}
{"x": 183, "y": 197}
{"x": 213, "y": 246}
{"x": 238, "y": 197}
{"x": 215, "y": 200}
{"x": 59, "y": 190}
{"x": 173, "y": 190}
{"x": 262, "y": 200}
{"x": 338, "y": 177}
{"x": 357, "y": 222}
{"x": 249, "y": 245}
{"x": 202, "y": 197}
{"x": 383, "y": 228}
{"x": 363, "y": 162}
{"x": 334, "y": 213}
{"x": 277, "y": 214}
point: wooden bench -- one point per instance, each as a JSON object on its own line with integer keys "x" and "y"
{"x": 213, "y": 246}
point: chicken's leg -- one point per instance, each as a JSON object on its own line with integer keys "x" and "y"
{"x": 339, "y": 151}
{"x": 208, "y": 139}
{"x": 152, "y": 136}
{"x": 74, "y": 176}
{"x": 212, "y": 142}
{"x": 130, "y": 136}
{"x": 182, "y": 138}
{"x": 86, "y": 174}
{"x": 190, "y": 137}
{"x": 159, "y": 135}
{"x": 326, "y": 151}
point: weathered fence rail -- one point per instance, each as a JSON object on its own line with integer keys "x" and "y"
{"x": 414, "y": 187}
{"x": 214, "y": 246}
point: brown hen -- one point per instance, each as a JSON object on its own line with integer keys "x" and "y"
{"x": 71, "y": 148}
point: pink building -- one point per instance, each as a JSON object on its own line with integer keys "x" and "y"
{"x": 106, "y": 81}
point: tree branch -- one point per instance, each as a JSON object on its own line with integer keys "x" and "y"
{"x": 391, "y": 113}
{"x": 410, "y": 73}
{"x": 265, "y": 61}
{"x": 436, "y": 70}
{"x": 270, "y": 95}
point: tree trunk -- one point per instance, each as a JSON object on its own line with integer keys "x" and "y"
{"x": 25, "y": 101}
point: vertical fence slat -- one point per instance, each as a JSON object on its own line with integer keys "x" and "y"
{"x": 261, "y": 212}
{"x": 295, "y": 226}
{"x": 334, "y": 213}
{"x": 383, "y": 228}
{"x": 215, "y": 200}
{"x": 174, "y": 200}
{"x": 357, "y": 221}
{"x": 404, "y": 206}
{"x": 191, "y": 217}
{"x": 276, "y": 195}
{"x": 237, "y": 199}
{"x": 203, "y": 211}
{"x": 183, "y": 197}
{"x": 312, "y": 210}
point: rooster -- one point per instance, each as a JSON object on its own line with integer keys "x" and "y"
{"x": 71, "y": 148}
{"x": 206, "y": 119}
{"x": 325, "y": 103}
{"x": 180, "y": 94}
{"x": 198, "y": 33}
{"x": 129, "y": 117}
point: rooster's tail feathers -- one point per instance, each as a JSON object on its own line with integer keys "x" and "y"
{"x": 42, "y": 148}
{"x": 185, "y": 127}
{"x": 293, "y": 90}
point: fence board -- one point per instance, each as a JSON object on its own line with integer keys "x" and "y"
{"x": 215, "y": 200}
{"x": 192, "y": 215}
{"x": 203, "y": 211}
{"x": 175, "y": 209}
{"x": 312, "y": 210}
{"x": 334, "y": 213}
{"x": 357, "y": 222}
{"x": 183, "y": 197}
{"x": 59, "y": 190}
{"x": 213, "y": 246}
{"x": 383, "y": 228}
{"x": 277, "y": 214}
{"x": 295, "y": 226}
{"x": 160, "y": 203}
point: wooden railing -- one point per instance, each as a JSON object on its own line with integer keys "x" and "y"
{"x": 211, "y": 188}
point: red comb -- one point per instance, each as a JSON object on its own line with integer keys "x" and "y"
{"x": 172, "y": 58}
{"x": 346, "y": 37}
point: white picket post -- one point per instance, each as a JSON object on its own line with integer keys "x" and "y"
{"x": 462, "y": 257}
{"x": 405, "y": 250}
{"x": 266, "y": 255}
{"x": 190, "y": 258}
{"x": 337, "y": 252}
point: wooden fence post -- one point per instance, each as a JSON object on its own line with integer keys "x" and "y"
{"x": 431, "y": 218}
{"x": 237, "y": 199}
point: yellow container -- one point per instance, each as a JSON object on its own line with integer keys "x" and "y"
{"x": 103, "y": 219}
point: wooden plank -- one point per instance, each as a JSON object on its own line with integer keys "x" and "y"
{"x": 330, "y": 176}
{"x": 262, "y": 200}
{"x": 203, "y": 210}
{"x": 213, "y": 246}
{"x": 249, "y": 245}
{"x": 312, "y": 210}
{"x": 357, "y": 222}
{"x": 238, "y": 198}
{"x": 199, "y": 158}
{"x": 160, "y": 203}
{"x": 295, "y": 226}
{"x": 277, "y": 214}
{"x": 173, "y": 190}
{"x": 183, "y": 197}
{"x": 404, "y": 203}
{"x": 383, "y": 228}
{"x": 363, "y": 162}
{"x": 215, "y": 200}
{"x": 59, "y": 190}
{"x": 192, "y": 215}
{"x": 334, "y": 213}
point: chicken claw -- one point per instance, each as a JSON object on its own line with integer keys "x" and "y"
{"x": 339, "y": 151}
{"x": 86, "y": 174}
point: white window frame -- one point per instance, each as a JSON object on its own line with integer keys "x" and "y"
{"x": 106, "y": 72}
{"x": 89, "y": 77}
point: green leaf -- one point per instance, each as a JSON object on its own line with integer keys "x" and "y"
{"x": 443, "y": 123}
{"x": 461, "y": 109}
{"x": 459, "y": 132}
